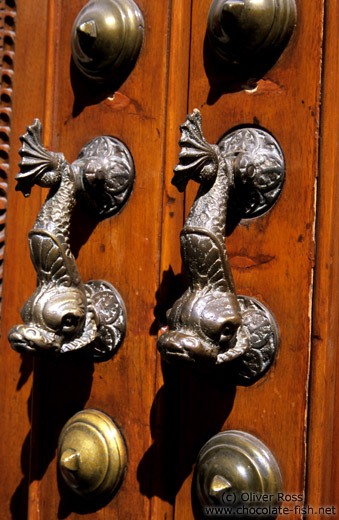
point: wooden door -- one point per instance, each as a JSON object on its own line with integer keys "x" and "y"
{"x": 287, "y": 258}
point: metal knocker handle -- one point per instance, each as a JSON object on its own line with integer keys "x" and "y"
{"x": 209, "y": 325}
{"x": 64, "y": 314}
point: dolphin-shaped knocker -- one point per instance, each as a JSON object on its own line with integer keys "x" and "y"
{"x": 209, "y": 325}
{"x": 63, "y": 314}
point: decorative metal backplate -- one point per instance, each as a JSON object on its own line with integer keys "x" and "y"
{"x": 63, "y": 314}
{"x": 108, "y": 176}
{"x": 259, "y": 170}
{"x": 110, "y": 309}
{"x": 209, "y": 325}
{"x": 264, "y": 340}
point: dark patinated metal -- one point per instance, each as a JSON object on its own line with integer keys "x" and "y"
{"x": 106, "y": 175}
{"x": 209, "y": 325}
{"x": 107, "y": 37}
{"x": 63, "y": 314}
{"x": 240, "y": 31}
{"x": 264, "y": 337}
{"x": 259, "y": 170}
{"x": 235, "y": 469}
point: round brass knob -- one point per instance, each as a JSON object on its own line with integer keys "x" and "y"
{"x": 241, "y": 30}
{"x": 92, "y": 455}
{"x": 107, "y": 36}
{"x": 234, "y": 468}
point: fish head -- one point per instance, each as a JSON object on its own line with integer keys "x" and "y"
{"x": 201, "y": 327}
{"x": 51, "y": 317}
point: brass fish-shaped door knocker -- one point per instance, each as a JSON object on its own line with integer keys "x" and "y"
{"x": 64, "y": 314}
{"x": 210, "y": 325}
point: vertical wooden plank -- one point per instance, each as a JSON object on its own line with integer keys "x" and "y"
{"x": 19, "y": 106}
{"x": 286, "y": 103}
{"x": 164, "y": 409}
{"x": 124, "y": 250}
{"x": 323, "y": 469}
{"x": 334, "y": 495}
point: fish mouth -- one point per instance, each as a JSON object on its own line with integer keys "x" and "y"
{"x": 176, "y": 346}
{"x": 181, "y": 346}
{"x": 180, "y": 181}
{"x": 25, "y": 339}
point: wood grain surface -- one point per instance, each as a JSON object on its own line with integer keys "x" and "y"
{"x": 323, "y": 435}
{"x": 272, "y": 256}
{"x": 123, "y": 250}
{"x": 19, "y": 278}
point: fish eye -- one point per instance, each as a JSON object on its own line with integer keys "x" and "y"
{"x": 69, "y": 321}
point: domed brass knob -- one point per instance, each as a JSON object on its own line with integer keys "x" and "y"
{"x": 235, "y": 469}
{"x": 107, "y": 36}
{"x": 92, "y": 455}
{"x": 242, "y": 30}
